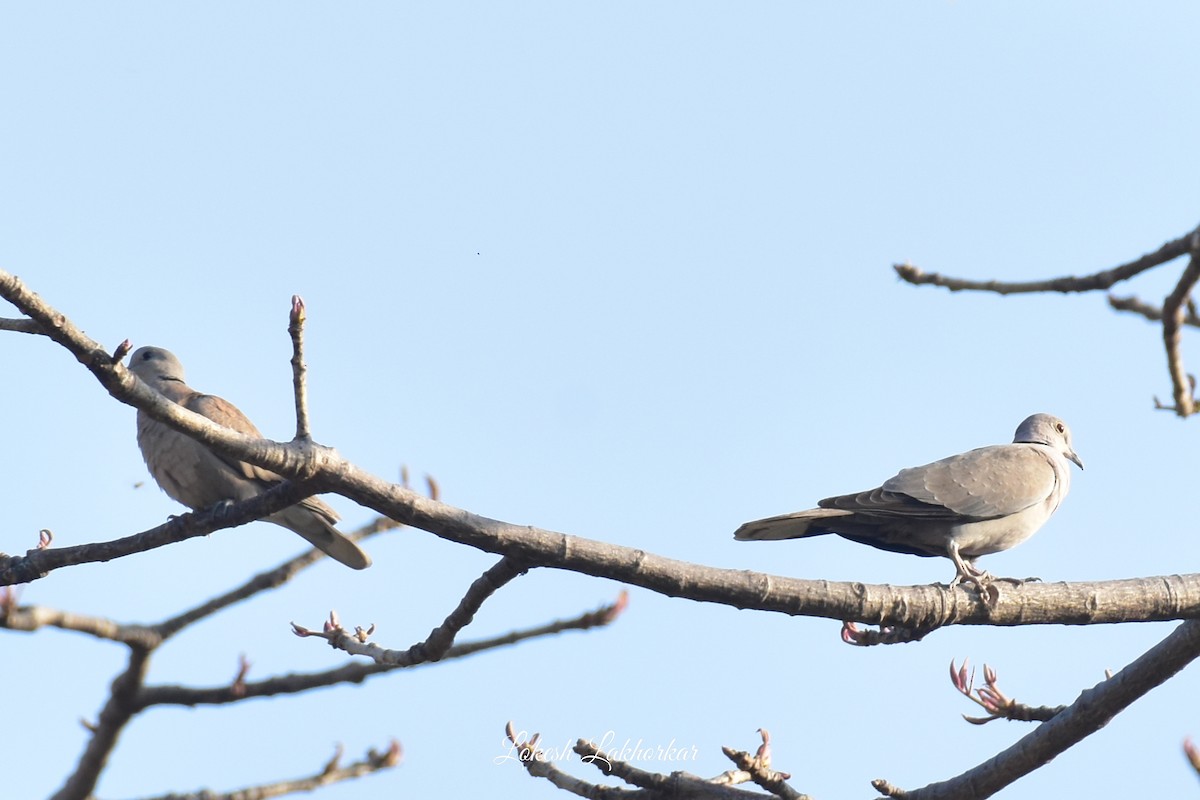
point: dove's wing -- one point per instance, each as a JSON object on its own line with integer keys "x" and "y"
{"x": 227, "y": 415}
{"x": 987, "y": 483}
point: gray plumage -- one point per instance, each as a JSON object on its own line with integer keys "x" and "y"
{"x": 196, "y": 476}
{"x": 962, "y": 507}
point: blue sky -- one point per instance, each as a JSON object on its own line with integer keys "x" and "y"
{"x": 621, "y": 270}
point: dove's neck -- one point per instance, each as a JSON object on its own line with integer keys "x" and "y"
{"x": 172, "y": 388}
{"x": 1032, "y": 441}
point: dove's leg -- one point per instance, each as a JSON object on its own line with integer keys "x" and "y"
{"x": 966, "y": 570}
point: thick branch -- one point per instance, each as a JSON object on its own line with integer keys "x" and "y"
{"x": 1092, "y": 711}
{"x": 30, "y": 618}
{"x": 922, "y": 607}
{"x": 918, "y": 607}
{"x": 113, "y": 717}
{"x": 298, "y": 461}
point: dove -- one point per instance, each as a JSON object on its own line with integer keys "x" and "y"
{"x": 961, "y": 507}
{"x": 198, "y": 477}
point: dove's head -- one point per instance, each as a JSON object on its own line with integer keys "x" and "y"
{"x": 155, "y": 366}
{"x": 1048, "y": 430}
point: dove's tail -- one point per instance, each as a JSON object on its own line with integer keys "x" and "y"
{"x": 334, "y": 544}
{"x": 313, "y": 520}
{"x": 789, "y": 526}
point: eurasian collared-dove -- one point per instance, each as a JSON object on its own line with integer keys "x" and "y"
{"x": 198, "y": 477}
{"x": 962, "y": 507}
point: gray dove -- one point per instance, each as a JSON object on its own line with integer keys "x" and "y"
{"x": 198, "y": 477}
{"x": 962, "y": 507}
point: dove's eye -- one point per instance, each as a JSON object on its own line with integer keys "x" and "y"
{"x": 1058, "y": 426}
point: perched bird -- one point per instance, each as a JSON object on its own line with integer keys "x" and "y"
{"x": 198, "y": 477}
{"x": 962, "y": 507}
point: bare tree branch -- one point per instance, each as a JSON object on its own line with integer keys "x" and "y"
{"x": 758, "y": 767}
{"x": 331, "y": 773}
{"x": 995, "y": 702}
{"x": 130, "y": 696}
{"x": 649, "y": 785}
{"x": 1092, "y": 711}
{"x": 40, "y": 562}
{"x": 298, "y": 461}
{"x": 322, "y": 469}
{"x": 357, "y": 672}
{"x": 264, "y": 581}
{"x": 1173, "y": 318}
{"x": 1152, "y": 313}
{"x": 21, "y": 326}
{"x": 917, "y": 607}
{"x": 440, "y": 638}
{"x": 1087, "y": 283}
{"x": 31, "y": 618}
{"x": 903, "y": 611}
{"x": 113, "y": 718}
{"x": 1176, "y": 312}
{"x": 299, "y": 369}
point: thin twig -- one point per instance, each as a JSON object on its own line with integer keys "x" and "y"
{"x": 1086, "y": 283}
{"x": 1135, "y": 305}
{"x": 442, "y": 637}
{"x": 31, "y": 618}
{"x": 38, "y": 563}
{"x": 21, "y": 326}
{"x": 1173, "y": 317}
{"x": 997, "y": 704}
{"x": 650, "y": 785}
{"x": 437, "y": 645}
{"x": 264, "y": 581}
{"x": 299, "y": 369}
{"x": 355, "y": 671}
{"x": 128, "y": 696}
{"x": 330, "y": 773}
{"x": 758, "y": 767}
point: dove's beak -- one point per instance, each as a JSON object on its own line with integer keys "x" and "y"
{"x": 1072, "y": 455}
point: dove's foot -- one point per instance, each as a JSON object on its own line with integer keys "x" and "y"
{"x": 1018, "y": 581}
{"x": 984, "y": 583}
{"x": 968, "y": 572}
{"x": 981, "y": 579}
{"x": 220, "y": 509}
